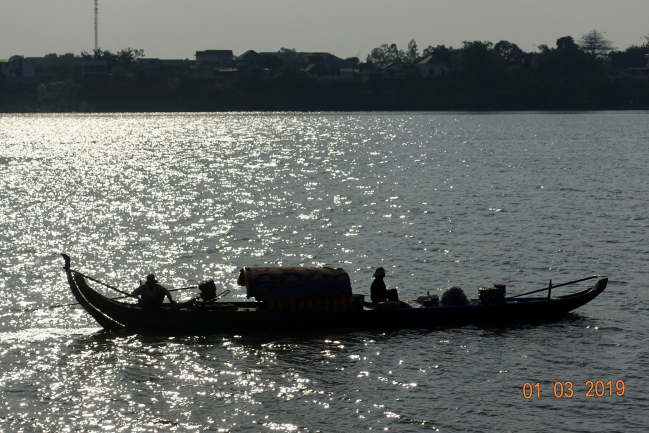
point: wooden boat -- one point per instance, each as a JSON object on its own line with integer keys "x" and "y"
{"x": 237, "y": 316}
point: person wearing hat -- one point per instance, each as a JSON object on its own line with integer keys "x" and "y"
{"x": 378, "y": 291}
{"x": 151, "y": 294}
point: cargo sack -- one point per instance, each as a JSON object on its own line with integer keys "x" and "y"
{"x": 294, "y": 283}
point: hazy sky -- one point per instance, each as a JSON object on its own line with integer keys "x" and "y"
{"x": 177, "y": 29}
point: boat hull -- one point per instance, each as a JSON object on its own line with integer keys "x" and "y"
{"x": 113, "y": 315}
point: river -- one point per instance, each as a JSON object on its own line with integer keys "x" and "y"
{"x": 437, "y": 199}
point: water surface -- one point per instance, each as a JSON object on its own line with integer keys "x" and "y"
{"x": 435, "y": 198}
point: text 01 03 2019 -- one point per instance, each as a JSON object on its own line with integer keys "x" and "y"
{"x": 597, "y": 388}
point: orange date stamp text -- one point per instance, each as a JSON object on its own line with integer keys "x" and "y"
{"x": 597, "y": 388}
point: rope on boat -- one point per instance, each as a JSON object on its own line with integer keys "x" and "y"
{"x": 554, "y": 287}
{"x": 171, "y": 290}
{"x": 128, "y": 295}
{"x": 119, "y": 297}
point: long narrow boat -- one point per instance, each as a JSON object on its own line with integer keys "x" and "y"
{"x": 237, "y": 316}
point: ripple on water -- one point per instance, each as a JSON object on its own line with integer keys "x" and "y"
{"x": 435, "y": 198}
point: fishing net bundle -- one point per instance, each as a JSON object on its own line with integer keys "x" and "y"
{"x": 454, "y": 295}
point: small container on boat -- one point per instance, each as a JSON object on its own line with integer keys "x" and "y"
{"x": 428, "y": 300}
{"x": 207, "y": 289}
{"x": 358, "y": 301}
{"x": 492, "y": 295}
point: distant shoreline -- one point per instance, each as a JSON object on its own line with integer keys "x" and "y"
{"x": 460, "y": 111}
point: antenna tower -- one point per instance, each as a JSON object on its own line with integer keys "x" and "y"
{"x": 96, "y": 27}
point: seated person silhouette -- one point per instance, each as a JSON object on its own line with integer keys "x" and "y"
{"x": 151, "y": 294}
{"x": 378, "y": 291}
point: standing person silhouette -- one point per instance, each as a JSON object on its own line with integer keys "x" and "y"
{"x": 378, "y": 291}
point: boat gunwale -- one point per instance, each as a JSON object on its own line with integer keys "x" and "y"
{"x": 114, "y": 315}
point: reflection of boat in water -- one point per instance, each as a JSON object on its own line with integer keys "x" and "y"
{"x": 214, "y": 317}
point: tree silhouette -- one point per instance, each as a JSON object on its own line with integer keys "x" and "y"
{"x": 509, "y": 52}
{"x": 595, "y": 44}
{"x": 477, "y": 63}
{"x": 632, "y": 57}
{"x": 384, "y": 55}
{"x": 412, "y": 53}
{"x": 566, "y": 42}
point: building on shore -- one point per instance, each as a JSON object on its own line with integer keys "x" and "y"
{"x": 17, "y": 68}
{"x": 249, "y": 60}
{"x": 433, "y": 67}
{"x": 211, "y": 59}
{"x": 326, "y": 64}
{"x": 393, "y": 73}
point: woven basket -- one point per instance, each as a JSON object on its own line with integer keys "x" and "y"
{"x": 492, "y": 295}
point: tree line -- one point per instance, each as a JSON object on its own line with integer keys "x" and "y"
{"x": 587, "y": 73}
